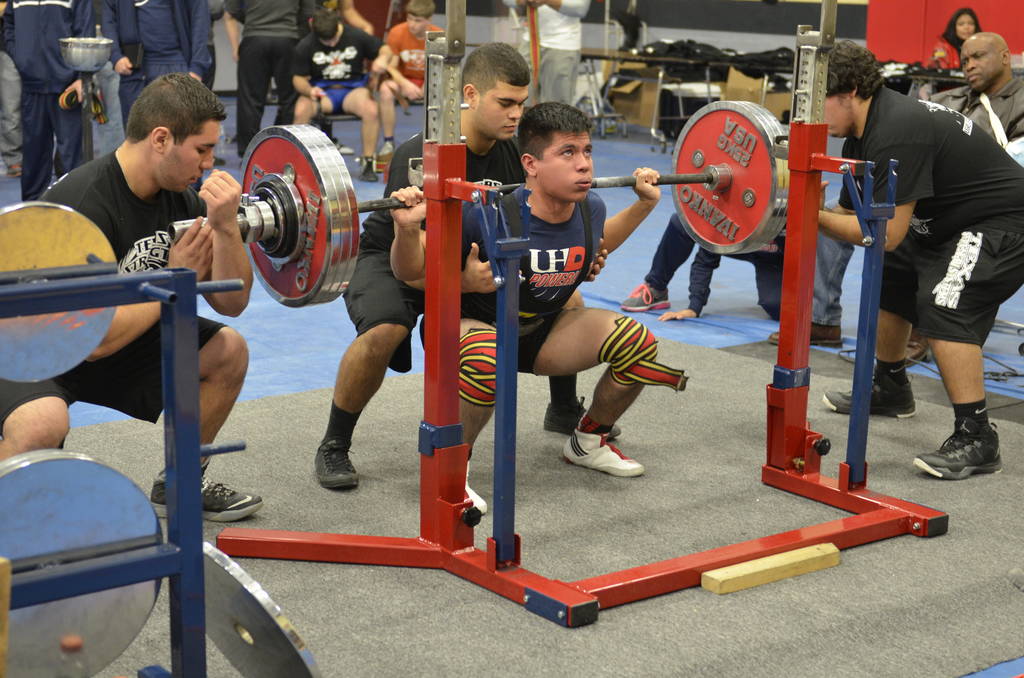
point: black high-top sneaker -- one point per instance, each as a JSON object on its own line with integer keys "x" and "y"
{"x": 888, "y": 398}
{"x": 972, "y": 448}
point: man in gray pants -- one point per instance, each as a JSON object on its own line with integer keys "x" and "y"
{"x": 264, "y": 52}
{"x": 560, "y": 33}
{"x": 10, "y": 111}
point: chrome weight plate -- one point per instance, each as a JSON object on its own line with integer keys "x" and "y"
{"x": 54, "y": 507}
{"x": 249, "y": 627}
{"x": 35, "y": 235}
{"x": 300, "y": 172}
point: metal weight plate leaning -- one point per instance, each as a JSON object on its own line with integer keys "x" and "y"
{"x": 35, "y": 235}
{"x": 298, "y": 170}
{"x": 87, "y": 508}
{"x": 750, "y": 210}
{"x": 249, "y": 627}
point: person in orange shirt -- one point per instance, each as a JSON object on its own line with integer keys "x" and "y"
{"x": 407, "y": 68}
{"x": 962, "y": 25}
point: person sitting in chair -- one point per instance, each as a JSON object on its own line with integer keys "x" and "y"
{"x": 407, "y": 68}
{"x": 329, "y": 77}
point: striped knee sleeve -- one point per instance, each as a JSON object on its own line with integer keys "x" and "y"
{"x": 477, "y": 365}
{"x": 631, "y": 350}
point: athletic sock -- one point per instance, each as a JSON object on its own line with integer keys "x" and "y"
{"x": 896, "y": 371}
{"x": 387, "y": 139}
{"x": 588, "y": 425}
{"x": 341, "y": 425}
{"x": 976, "y": 411}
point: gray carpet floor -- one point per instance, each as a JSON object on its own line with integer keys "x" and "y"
{"x": 901, "y": 607}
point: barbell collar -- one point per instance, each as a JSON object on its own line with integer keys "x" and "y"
{"x": 176, "y": 229}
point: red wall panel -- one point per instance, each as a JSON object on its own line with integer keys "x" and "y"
{"x": 906, "y": 30}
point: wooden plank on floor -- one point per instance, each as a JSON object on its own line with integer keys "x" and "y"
{"x": 770, "y": 568}
{"x": 5, "y": 605}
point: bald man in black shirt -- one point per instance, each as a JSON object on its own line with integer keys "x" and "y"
{"x": 992, "y": 97}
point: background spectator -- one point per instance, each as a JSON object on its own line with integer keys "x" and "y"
{"x": 10, "y": 110}
{"x": 33, "y": 32}
{"x": 962, "y": 25}
{"x": 264, "y": 52}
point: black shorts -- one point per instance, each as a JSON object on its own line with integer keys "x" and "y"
{"x": 129, "y": 380}
{"x": 532, "y": 336}
{"x": 952, "y": 290}
{"x": 375, "y": 297}
{"x": 531, "y": 342}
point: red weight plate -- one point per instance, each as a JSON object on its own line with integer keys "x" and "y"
{"x": 750, "y": 211}
{"x": 318, "y": 268}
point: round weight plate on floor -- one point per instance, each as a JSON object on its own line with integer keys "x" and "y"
{"x": 58, "y": 507}
{"x": 249, "y": 627}
{"x": 314, "y": 254}
{"x": 748, "y": 212}
{"x": 35, "y": 235}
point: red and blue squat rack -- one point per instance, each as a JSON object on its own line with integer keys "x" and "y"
{"x": 445, "y": 538}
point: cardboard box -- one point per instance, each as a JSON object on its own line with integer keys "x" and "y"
{"x": 779, "y": 103}
{"x": 739, "y": 87}
{"x": 637, "y": 100}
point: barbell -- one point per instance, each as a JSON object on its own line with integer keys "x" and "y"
{"x": 299, "y": 220}
{"x": 298, "y": 212}
{"x": 275, "y": 208}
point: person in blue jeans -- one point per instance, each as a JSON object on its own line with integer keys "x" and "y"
{"x": 32, "y": 33}
{"x": 673, "y": 251}
{"x": 831, "y": 259}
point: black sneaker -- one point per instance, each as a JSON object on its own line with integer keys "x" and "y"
{"x": 221, "y": 504}
{"x": 888, "y": 399}
{"x": 333, "y": 467}
{"x": 563, "y": 420}
{"x": 368, "y": 174}
{"x": 971, "y": 449}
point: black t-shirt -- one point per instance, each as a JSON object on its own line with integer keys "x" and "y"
{"x": 501, "y": 165}
{"x": 136, "y": 229}
{"x": 958, "y": 175}
{"x": 344, "y": 61}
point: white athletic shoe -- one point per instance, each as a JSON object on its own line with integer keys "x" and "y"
{"x": 592, "y": 450}
{"x": 477, "y": 500}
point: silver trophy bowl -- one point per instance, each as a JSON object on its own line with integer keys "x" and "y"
{"x": 85, "y": 55}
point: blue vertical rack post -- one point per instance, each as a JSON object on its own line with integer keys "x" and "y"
{"x": 504, "y": 251}
{"x": 181, "y": 558}
{"x": 872, "y": 217}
